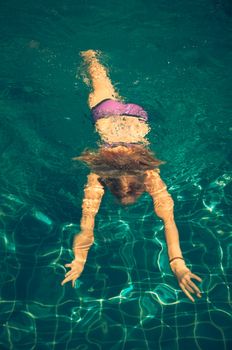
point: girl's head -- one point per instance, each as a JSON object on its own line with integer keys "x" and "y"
{"x": 122, "y": 169}
{"x": 126, "y": 188}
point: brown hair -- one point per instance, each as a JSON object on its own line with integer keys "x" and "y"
{"x": 121, "y": 169}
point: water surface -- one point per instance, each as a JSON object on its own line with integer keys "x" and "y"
{"x": 174, "y": 58}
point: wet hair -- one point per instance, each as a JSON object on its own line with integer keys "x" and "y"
{"x": 122, "y": 171}
{"x": 125, "y": 194}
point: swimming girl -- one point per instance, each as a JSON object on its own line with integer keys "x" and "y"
{"x": 125, "y": 165}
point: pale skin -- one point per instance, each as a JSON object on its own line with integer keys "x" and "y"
{"x": 124, "y": 129}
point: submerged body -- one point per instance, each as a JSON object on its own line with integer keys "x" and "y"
{"x": 125, "y": 166}
{"x": 122, "y": 129}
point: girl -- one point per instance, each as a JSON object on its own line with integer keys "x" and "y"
{"x": 125, "y": 166}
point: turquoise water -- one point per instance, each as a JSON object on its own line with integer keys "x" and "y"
{"x": 174, "y": 58}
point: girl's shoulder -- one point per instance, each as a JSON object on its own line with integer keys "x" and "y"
{"x": 152, "y": 181}
{"x": 94, "y": 180}
{"x": 152, "y": 173}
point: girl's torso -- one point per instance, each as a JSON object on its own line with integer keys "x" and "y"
{"x": 119, "y": 122}
{"x": 122, "y": 129}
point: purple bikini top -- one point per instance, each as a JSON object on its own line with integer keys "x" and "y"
{"x": 110, "y": 107}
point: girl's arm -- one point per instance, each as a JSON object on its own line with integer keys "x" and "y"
{"x": 163, "y": 206}
{"x": 82, "y": 242}
{"x": 93, "y": 193}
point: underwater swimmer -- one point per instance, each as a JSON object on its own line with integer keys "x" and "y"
{"x": 125, "y": 166}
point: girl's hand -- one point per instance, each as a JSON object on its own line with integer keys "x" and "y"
{"x": 184, "y": 275}
{"x": 77, "y": 267}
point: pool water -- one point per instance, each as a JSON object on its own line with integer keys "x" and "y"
{"x": 174, "y": 58}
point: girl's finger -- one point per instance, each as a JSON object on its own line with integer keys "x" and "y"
{"x": 68, "y": 273}
{"x": 186, "y": 292}
{"x": 197, "y": 290}
{"x": 67, "y": 279}
{"x": 189, "y": 288}
{"x": 67, "y": 265}
{"x": 196, "y": 277}
{"x": 71, "y": 276}
{"x": 73, "y": 282}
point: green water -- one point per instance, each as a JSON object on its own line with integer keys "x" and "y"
{"x": 172, "y": 57}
